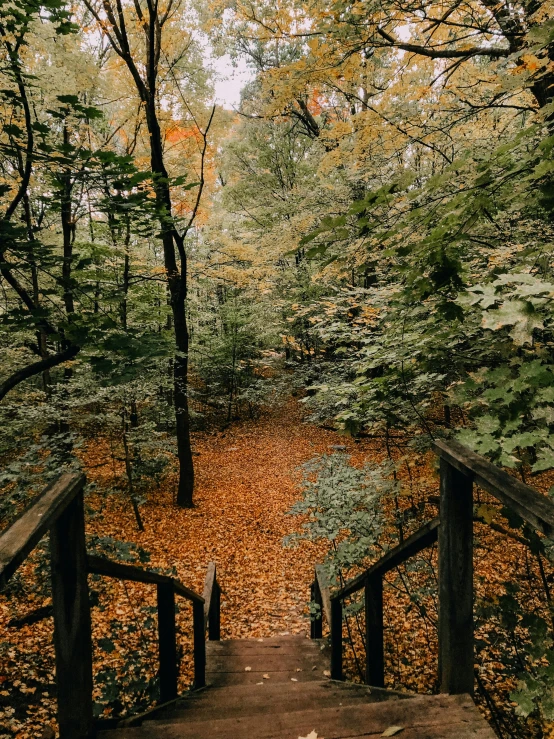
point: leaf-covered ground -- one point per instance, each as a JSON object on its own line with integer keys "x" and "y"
{"x": 247, "y": 479}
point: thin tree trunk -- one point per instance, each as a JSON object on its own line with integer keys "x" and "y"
{"x": 129, "y": 471}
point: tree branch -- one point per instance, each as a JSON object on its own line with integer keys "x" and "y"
{"x": 434, "y": 53}
{"x": 36, "y": 368}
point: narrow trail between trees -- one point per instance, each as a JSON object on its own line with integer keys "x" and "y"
{"x": 247, "y": 478}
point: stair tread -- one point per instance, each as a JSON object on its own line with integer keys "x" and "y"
{"x": 288, "y": 697}
{"x": 282, "y": 659}
{"x": 422, "y": 717}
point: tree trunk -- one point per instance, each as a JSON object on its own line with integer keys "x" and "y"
{"x": 177, "y": 283}
{"x": 152, "y": 24}
{"x": 180, "y": 401}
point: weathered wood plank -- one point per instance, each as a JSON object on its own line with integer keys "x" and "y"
{"x": 72, "y": 624}
{"x": 28, "y": 529}
{"x": 289, "y": 640}
{"x": 424, "y": 537}
{"x": 233, "y": 679}
{"x": 282, "y": 697}
{"x": 266, "y": 662}
{"x": 455, "y": 581}
{"x": 533, "y": 507}
{"x": 424, "y": 717}
{"x": 232, "y": 649}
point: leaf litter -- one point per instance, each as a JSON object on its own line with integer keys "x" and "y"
{"x": 239, "y": 521}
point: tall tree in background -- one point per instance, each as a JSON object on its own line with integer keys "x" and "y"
{"x": 143, "y": 58}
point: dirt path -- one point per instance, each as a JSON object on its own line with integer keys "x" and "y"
{"x": 247, "y": 479}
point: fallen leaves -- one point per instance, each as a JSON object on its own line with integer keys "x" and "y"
{"x": 393, "y": 731}
{"x": 239, "y": 522}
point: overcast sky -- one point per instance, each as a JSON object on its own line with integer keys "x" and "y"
{"x": 231, "y": 80}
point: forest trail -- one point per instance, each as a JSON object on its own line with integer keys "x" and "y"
{"x": 247, "y": 478}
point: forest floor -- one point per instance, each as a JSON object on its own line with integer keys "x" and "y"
{"x": 247, "y": 478}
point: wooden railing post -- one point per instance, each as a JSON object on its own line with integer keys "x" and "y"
{"x": 316, "y": 623}
{"x": 212, "y": 604}
{"x": 336, "y": 638}
{"x": 167, "y": 642}
{"x": 455, "y": 581}
{"x": 214, "y": 617}
{"x": 375, "y": 657}
{"x": 199, "y": 644}
{"x": 72, "y": 626}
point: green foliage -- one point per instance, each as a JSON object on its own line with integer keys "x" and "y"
{"x": 232, "y": 354}
{"x": 342, "y": 505}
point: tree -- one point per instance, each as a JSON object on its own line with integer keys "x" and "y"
{"x": 143, "y": 60}
{"x": 23, "y": 146}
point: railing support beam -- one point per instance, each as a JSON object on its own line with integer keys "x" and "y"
{"x": 455, "y": 581}
{"x": 199, "y": 645}
{"x": 214, "y": 617}
{"x": 316, "y": 623}
{"x": 374, "y": 632}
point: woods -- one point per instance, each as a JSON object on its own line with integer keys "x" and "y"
{"x": 360, "y": 247}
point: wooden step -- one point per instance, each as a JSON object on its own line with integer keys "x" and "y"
{"x": 422, "y": 717}
{"x": 280, "y": 659}
{"x": 242, "y": 700}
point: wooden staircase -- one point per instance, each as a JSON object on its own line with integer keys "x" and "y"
{"x": 279, "y": 688}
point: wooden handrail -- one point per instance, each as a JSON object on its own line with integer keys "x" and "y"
{"x": 371, "y": 581}
{"x": 460, "y": 468}
{"x": 19, "y": 540}
{"x": 532, "y": 506}
{"x": 424, "y": 537}
{"x": 107, "y": 567}
{"x": 59, "y": 510}
{"x": 167, "y": 588}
